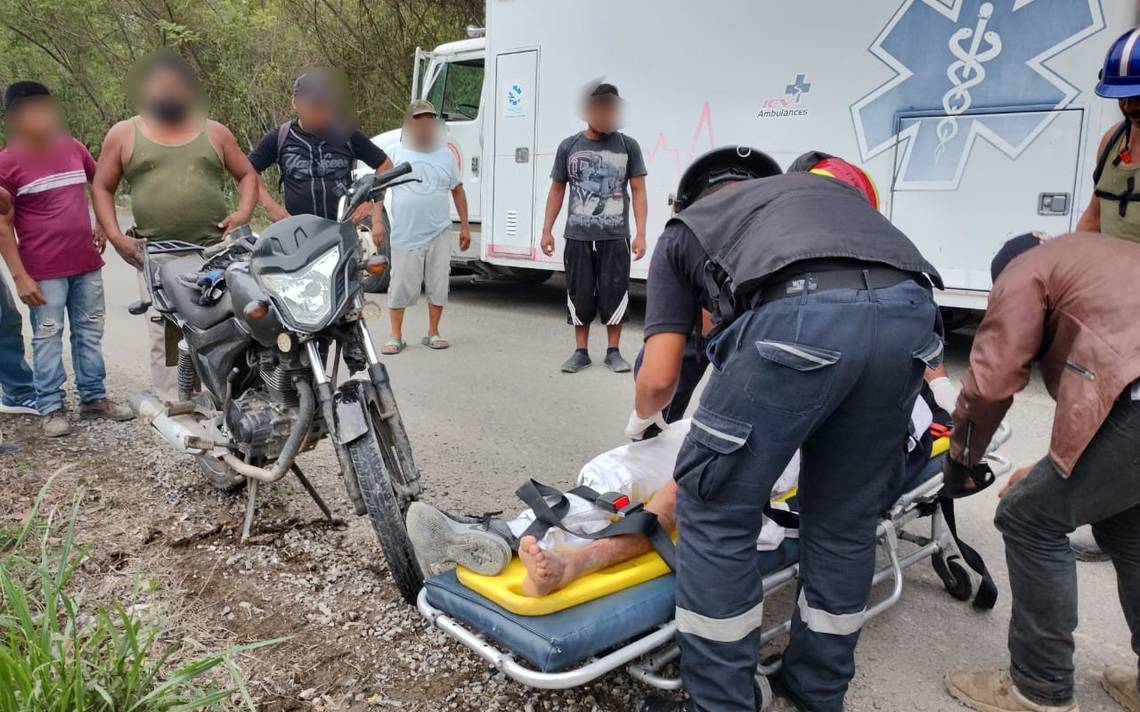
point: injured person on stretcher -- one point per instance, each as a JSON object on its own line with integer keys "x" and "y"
{"x": 640, "y": 472}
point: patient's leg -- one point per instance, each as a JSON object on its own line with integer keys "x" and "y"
{"x": 548, "y": 570}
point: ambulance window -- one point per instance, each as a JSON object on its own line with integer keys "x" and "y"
{"x": 456, "y": 90}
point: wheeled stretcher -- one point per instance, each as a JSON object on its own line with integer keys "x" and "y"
{"x": 633, "y": 626}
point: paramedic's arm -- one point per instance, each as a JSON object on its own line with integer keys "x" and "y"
{"x": 1004, "y": 347}
{"x": 108, "y": 173}
{"x": 657, "y": 379}
{"x": 554, "y": 200}
{"x": 640, "y": 213}
{"x": 1090, "y": 218}
{"x": 460, "y": 197}
{"x": 261, "y": 158}
{"x": 26, "y": 288}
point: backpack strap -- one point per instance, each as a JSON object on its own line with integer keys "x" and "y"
{"x": 282, "y": 136}
{"x": 635, "y": 519}
{"x": 1125, "y": 130}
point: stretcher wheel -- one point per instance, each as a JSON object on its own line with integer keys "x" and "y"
{"x": 954, "y": 577}
{"x": 764, "y": 693}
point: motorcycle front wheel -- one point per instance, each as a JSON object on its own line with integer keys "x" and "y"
{"x": 385, "y": 514}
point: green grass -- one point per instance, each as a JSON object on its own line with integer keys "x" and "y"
{"x": 59, "y": 654}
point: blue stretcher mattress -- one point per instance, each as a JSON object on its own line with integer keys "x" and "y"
{"x": 559, "y": 640}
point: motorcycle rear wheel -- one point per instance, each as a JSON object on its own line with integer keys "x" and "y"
{"x": 385, "y": 514}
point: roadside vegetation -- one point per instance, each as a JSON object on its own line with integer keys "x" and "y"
{"x": 246, "y": 51}
{"x": 60, "y": 653}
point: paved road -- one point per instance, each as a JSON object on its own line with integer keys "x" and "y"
{"x": 494, "y": 410}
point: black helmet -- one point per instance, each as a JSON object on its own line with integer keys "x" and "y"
{"x": 728, "y": 163}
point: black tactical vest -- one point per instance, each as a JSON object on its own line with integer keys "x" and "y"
{"x": 754, "y": 229}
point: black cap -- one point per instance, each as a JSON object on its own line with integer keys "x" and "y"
{"x": 19, "y": 91}
{"x": 1013, "y": 247}
{"x": 605, "y": 89}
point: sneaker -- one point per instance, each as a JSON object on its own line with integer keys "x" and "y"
{"x": 1120, "y": 683}
{"x": 56, "y": 424}
{"x": 994, "y": 692}
{"x": 577, "y": 361}
{"x": 475, "y": 543}
{"x": 616, "y": 363}
{"x": 105, "y": 408}
{"x": 1084, "y": 545}
{"x": 9, "y": 406}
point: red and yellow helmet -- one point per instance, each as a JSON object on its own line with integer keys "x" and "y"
{"x": 850, "y": 174}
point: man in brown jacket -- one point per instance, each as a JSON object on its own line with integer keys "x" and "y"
{"x": 1071, "y": 305}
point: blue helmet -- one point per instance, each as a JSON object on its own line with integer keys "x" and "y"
{"x": 1120, "y": 77}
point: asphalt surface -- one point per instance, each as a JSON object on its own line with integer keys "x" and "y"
{"x": 494, "y": 410}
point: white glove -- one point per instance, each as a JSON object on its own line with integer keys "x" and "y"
{"x": 636, "y": 427}
{"x": 945, "y": 394}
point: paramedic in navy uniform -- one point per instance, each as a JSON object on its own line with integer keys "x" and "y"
{"x": 824, "y": 325}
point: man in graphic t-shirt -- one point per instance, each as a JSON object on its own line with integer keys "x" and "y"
{"x": 316, "y": 153}
{"x": 600, "y": 168}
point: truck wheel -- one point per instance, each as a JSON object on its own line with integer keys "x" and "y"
{"x": 221, "y": 475}
{"x": 374, "y": 284}
{"x": 528, "y": 276}
{"x": 385, "y": 514}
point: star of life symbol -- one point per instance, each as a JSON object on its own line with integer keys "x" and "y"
{"x": 986, "y": 77}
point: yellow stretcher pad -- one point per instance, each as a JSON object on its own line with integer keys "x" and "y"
{"x": 505, "y": 588}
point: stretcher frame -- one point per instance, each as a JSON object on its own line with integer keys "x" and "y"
{"x": 645, "y": 656}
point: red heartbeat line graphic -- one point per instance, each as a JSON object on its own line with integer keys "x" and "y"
{"x": 704, "y": 123}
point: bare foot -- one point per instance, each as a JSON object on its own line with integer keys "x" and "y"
{"x": 546, "y": 571}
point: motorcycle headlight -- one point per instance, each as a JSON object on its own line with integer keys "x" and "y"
{"x": 307, "y": 296}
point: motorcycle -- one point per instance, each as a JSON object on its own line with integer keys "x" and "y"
{"x": 255, "y": 320}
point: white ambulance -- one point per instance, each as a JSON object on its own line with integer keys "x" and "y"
{"x": 976, "y": 118}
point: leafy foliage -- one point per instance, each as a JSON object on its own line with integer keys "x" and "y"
{"x": 246, "y": 51}
{"x": 58, "y": 654}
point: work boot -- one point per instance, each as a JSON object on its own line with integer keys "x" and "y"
{"x": 994, "y": 692}
{"x": 1084, "y": 545}
{"x": 1120, "y": 684}
{"x": 56, "y": 424}
{"x": 577, "y": 361}
{"x": 482, "y": 544}
{"x": 616, "y": 363}
{"x": 105, "y": 408}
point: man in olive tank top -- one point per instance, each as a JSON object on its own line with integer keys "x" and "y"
{"x": 174, "y": 161}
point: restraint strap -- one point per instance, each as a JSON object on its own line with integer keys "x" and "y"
{"x": 987, "y": 594}
{"x": 634, "y": 519}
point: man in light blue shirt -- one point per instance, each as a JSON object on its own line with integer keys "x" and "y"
{"x": 421, "y": 221}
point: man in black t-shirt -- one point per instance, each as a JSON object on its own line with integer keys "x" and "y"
{"x": 597, "y": 165}
{"x": 316, "y": 153}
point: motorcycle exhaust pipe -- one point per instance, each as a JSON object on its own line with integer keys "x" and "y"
{"x": 293, "y": 443}
{"x": 173, "y": 429}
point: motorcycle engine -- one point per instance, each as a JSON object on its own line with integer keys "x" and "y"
{"x": 259, "y": 423}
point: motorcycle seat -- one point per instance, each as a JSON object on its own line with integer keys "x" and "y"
{"x": 184, "y": 297}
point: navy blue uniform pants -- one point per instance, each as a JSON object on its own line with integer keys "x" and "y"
{"x": 835, "y": 373}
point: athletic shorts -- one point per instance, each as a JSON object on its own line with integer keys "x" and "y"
{"x": 597, "y": 281}
{"x": 428, "y": 267}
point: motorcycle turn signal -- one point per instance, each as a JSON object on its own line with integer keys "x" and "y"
{"x": 256, "y": 310}
{"x": 376, "y": 264}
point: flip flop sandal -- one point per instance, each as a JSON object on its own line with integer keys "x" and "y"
{"x": 957, "y": 487}
{"x": 436, "y": 342}
{"x": 392, "y": 347}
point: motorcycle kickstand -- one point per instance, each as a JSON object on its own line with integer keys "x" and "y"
{"x": 313, "y": 493}
{"x": 250, "y": 508}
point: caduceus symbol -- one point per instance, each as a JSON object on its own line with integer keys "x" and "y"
{"x": 966, "y": 72}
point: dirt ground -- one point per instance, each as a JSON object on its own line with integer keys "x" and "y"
{"x": 482, "y": 417}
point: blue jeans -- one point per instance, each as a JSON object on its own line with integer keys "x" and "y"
{"x": 834, "y": 374}
{"x": 80, "y": 298}
{"x": 15, "y": 377}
